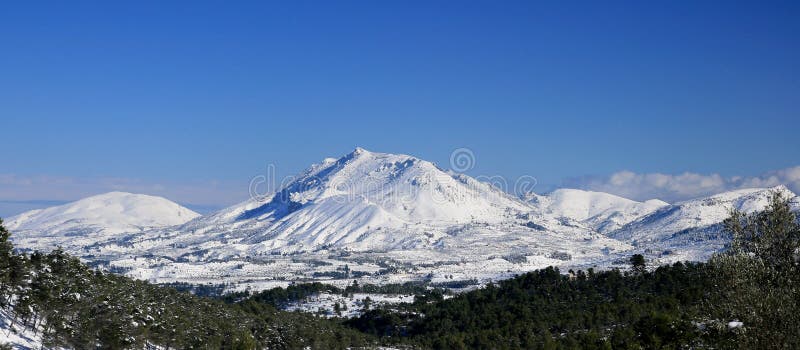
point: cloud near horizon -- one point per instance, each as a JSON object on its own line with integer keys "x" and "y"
{"x": 688, "y": 185}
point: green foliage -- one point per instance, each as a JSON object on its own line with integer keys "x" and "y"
{"x": 771, "y": 236}
{"x": 758, "y": 279}
{"x": 637, "y": 262}
{"x": 277, "y": 297}
{"x": 5, "y": 257}
{"x": 545, "y": 309}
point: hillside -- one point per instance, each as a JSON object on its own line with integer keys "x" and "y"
{"x": 691, "y": 230}
{"x": 602, "y": 212}
{"x": 96, "y": 218}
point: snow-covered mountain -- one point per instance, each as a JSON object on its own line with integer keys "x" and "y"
{"x": 99, "y": 217}
{"x": 384, "y": 217}
{"x": 602, "y": 212}
{"x": 363, "y": 200}
{"x": 364, "y": 207}
{"x": 692, "y": 229}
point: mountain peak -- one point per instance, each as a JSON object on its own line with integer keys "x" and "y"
{"x": 783, "y": 189}
{"x": 130, "y": 195}
{"x": 364, "y": 195}
{"x": 357, "y": 152}
{"x": 754, "y": 192}
{"x": 110, "y": 212}
{"x": 115, "y": 193}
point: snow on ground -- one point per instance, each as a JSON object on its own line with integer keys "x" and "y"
{"x": 14, "y": 334}
{"x": 364, "y": 200}
{"x": 379, "y": 218}
{"x": 602, "y": 212}
{"x": 696, "y": 214}
{"x": 692, "y": 230}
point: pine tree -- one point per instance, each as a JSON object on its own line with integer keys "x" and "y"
{"x": 367, "y": 303}
{"x": 337, "y": 309}
{"x": 6, "y": 250}
{"x": 638, "y": 263}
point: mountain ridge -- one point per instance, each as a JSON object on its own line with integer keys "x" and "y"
{"x": 692, "y": 229}
{"x": 602, "y": 212}
{"x": 397, "y": 218}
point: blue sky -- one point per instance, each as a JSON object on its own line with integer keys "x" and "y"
{"x": 192, "y": 99}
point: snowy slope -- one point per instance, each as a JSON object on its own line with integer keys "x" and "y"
{"x": 599, "y": 211}
{"x": 16, "y": 335}
{"x": 697, "y": 213}
{"x": 353, "y": 200}
{"x": 95, "y": 218}
{"x": 387, "y": 217}
{"x": 393, "y": 217}
{"x": 692, "y": 229}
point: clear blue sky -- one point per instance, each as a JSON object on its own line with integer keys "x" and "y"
{"x": 195, "y": 92}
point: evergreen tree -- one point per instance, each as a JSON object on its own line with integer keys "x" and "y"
{"x": 6, "y": 249}
{"x": 337, "y": 309}
{"x": 638, "y": 263}
{"x": 367, "y": 303}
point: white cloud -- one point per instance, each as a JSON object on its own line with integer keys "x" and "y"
{"x": 684, "y": 186}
